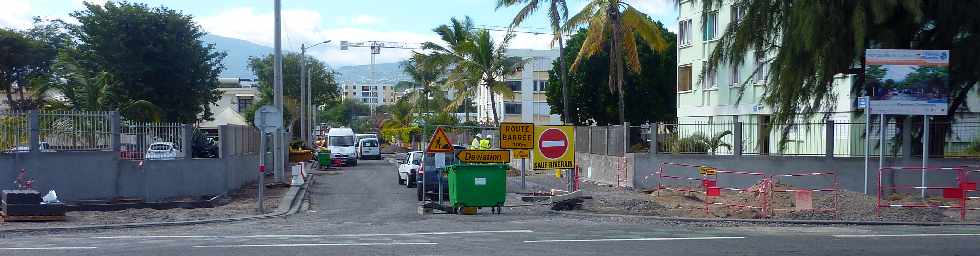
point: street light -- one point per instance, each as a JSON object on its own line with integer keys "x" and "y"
{"x": 306, "y": 99}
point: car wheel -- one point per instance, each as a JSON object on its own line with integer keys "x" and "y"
{"x": 411, "y": 181}
{"x": 400, "y": 180}
{"x": 355, "y": 163}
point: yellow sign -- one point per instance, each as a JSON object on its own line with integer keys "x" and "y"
{"x": 440, "y": 142}
{"x": 484, "y": 156}
{"x": 707, "y": 171}
{"x": 516, "y": 135}
{"x": 522, "y": 153}
{"x": 554, "y": 147}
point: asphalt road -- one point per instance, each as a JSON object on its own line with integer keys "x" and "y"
{"x": 362, "y": 211}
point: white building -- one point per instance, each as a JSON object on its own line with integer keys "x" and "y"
{"x": 371, "y": 94}
{"x": 731, "y": 95}
{"x": 237, "y": 95}
{"x": 530, "y": 101}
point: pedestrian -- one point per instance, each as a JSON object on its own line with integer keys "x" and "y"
{"x": 476, "y": 141}
{"x": 485, "y": 142}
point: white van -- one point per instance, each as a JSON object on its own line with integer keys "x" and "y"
{"x": 340, "y": 142}
{"x": 368, "y": 148}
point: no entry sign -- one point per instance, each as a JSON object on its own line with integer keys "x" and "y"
{"x": 555, "y": 147}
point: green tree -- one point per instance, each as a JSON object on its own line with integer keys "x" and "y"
{"x": 22, "y": 60}
{"x": 615, "y": 25}
{"x": 325, "y": 91}
{"x": 424, "y": 70}
{"x": 557, "y": 14}
{"x": 456, "y": 35}
{"x": 344, "y": 113}
{"x": 155, "y": 54}
{"x": 651, "y": 91}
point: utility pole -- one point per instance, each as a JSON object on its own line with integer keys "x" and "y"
{"x": 306, "y": 99}
{"x": 278, "y": 152}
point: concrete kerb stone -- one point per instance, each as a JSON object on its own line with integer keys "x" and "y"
{"x": 767, "y": 221}
{"x": 292, "y": 196}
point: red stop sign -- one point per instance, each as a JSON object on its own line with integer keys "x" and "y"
{"x": 553, "y": 143}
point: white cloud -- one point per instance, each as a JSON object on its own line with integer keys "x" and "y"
{"x": 304, "y": 26}
{"x": 657, "y": 8}
{"x": 366, "y": 20}
{"x": 15, "y": 14}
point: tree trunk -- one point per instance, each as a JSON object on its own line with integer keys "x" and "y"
{"x": 566, "y": 116}
{"x": 493, "y": 104}
{"x": 616, "y": 59}
{"x": 10, "y": 98}
{"x": 466, "y": 110}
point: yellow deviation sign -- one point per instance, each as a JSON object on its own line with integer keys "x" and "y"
{"x": 522, "y": 153}
{"x": 484, "y": 156}
{"x": 707, "y": 171}
{"x": 554, "y": 147}
{"x": 516, "y": 135}
{"x": 440, "y": 142}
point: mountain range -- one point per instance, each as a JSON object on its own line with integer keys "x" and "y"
{"x": 236, "y": 63}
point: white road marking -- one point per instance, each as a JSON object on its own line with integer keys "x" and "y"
{"x": 902, "y": 235}
{"x": 637, "y": 239}
{"x": 307, "y": 245}
{"x": 318, "y": 236}
{"x": 552, "y": 143}
{"x": 49, "y": 248}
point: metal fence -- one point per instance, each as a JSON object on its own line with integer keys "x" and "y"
{"x": 75, "y": 131}
{"x": 13, "y": 131}
{"x": 137, "y": 137}
{"x": 838, "y": 139}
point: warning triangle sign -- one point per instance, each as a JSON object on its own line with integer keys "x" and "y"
{"x": 440, "y": 142}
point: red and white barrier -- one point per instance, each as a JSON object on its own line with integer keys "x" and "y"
{"x": 803, "y": 196}
{"x": 956, "y": 190}
{"x": 704, "y": 179}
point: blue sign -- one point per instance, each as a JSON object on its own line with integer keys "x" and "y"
{"x": 862, "y": 102}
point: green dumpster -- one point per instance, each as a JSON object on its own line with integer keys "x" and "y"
{"x": 324, "y": 157}
{"x": 477, "y": 185}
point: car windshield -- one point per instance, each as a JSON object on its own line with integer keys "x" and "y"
{"x": 369, "y": 143}
{"x": 416, "y": 158}
{"x": 341, "y": 141}
{"x": 160, "y": 147}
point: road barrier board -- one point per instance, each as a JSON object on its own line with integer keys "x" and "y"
{"x": 516, "y": 135}
{"x": 484, "y": 156}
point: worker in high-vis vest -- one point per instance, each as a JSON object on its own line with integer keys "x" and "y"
{"x": 485, "y": 142}
{"x": 476, "y": 142}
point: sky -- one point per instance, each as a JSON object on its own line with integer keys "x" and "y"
{"x": 311, "y": 21}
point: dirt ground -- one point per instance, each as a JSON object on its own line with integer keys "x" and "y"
{"x": 242, "y": 204}
{"x": 851, "y": 206}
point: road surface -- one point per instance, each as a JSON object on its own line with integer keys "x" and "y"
{"x": 362, "y": 211}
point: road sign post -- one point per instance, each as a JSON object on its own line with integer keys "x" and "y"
{"x": 269, "y": 120}
{"x": 522, "y": 154}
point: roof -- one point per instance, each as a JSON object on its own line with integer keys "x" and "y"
{"x": 225, "y": 116}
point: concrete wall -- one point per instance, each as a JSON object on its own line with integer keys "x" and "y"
{"x": 605, "y": 169}
{"x": 102, "y": 176}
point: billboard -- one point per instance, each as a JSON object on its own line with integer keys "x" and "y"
{"x": 907, "y": 82}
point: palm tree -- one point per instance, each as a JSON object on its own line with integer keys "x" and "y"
{"x": 623, "y": 23}
{"x": 557, "y": 14}
{"x": 455, "y": 36}
{"x": 425, "y": 70}
{"x": 485, "y": 61}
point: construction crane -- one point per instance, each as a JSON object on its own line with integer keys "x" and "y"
{"x": 376, "y": 47}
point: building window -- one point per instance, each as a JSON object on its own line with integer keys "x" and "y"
{"x": 738, "y": 11}
{"x": 763, "y": 67}
{"x": 244, "y": 102}
{"x": 540, "y": 85}
{"x": 514, "y": 85}
{"x": 685, "y": 32}
{"x": 709, "y": 28}
{"x": 736, "y": 76}
{"x": 512, "y": 108}
{"x": 684, "y": 78}
{"x": 709, "y": 77}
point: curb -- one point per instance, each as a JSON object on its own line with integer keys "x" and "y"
{"x": 765, "y": 221}
{"x": 294, "y": 195}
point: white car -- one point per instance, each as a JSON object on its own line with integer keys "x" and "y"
{"x": 409, "y": 168}
{"x": 368, "y": 149}
{"x": 162, "y": 151}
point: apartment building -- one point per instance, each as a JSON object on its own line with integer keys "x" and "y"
{"x": 529, "y": 103}
{"x": 371, "y": 94}
{"x": 733, "y": 93}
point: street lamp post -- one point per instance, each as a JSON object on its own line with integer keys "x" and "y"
{"x": 306, "y": 99}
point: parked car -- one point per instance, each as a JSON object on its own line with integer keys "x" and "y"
{"x": 428, "y": 175}
{"x": 340, "y": 141}
{"x": 43, "y": 147}
{"x": 368, "y": 149}
{"x": 409, "y": 168}
{"x": 162, "y": 151}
